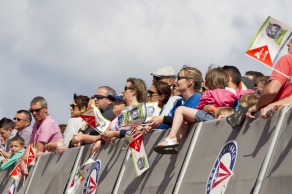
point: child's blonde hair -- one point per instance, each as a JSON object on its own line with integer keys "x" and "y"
{"x": 224, "y": 111}
{"x": 250, "y": 99}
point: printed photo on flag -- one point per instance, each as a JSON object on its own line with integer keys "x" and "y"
{"x": 269, "y": 41}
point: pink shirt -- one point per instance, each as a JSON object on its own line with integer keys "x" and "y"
{"x": 47, "y": 132}
{"x": 218, "y": 98}
{"x": 284, "y": 65}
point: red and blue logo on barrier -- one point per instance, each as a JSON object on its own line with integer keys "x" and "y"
{"x": 91, "y": 181}
{"x": 222, "y": 169}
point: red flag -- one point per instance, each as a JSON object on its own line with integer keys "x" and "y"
{"x": 261, "y": 54}
{"x": 31, "y": 156}
{"x": 15, "y": 173}
{"x": 136, "y": 144}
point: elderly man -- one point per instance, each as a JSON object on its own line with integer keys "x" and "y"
{"x": 103, "y": 103}
{"x": 278, "y": 88}
{"x": 165, "y": 74}
{"x": 22, "y": 121}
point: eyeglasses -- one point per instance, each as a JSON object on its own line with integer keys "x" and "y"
{"x": 151, "y": 93}
{"x": 157, "y": 78}
{"x": 98, "y": 96}
{"x": 18, "y": 119}
{"x": 128, "y": 88}
{"x": 35, "y": 110}
{"x": 73, "y": 106}
{"x": 182, "y": 77}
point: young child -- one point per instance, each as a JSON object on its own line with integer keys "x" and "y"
{"x": 223, "y": 112}
{"x": 17, "y": 149}
{"x": 217, "y": 95}
{"x": 246, "y": 100}
{"x": 7, "y": 132}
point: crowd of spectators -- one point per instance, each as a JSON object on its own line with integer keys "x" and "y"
{"x": 183, "y": 98}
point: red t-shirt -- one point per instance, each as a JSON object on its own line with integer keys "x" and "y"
{"x": 284, "y": 65}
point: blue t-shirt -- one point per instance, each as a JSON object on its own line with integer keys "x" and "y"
{"x": 192, "y": 102}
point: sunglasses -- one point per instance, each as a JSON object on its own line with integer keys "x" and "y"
{"x": 73, "y": 106}
{"x": 182, "y": 77}
{"x": 151, "y": 93}
{"x": 35, "y": 110}
{"x": 128, "y": 88}
{"x": 18, "y": 119}
{"x": 98, "y": 96}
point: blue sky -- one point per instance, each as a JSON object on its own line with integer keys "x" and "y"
{"x": 57, "y": 48}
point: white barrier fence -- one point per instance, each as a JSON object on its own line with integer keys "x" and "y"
{"x": 213, "y": 158}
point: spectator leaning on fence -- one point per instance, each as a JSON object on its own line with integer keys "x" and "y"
{"x": 22, "y": 122}
{"x": 17, "y": 149}
{"x": 278, "y": 88}
{"x": 45, "y": 129}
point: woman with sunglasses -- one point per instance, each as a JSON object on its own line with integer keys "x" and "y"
{"x": 134, "y": 93}
{"x": 77, "y": 107}
{"x": 188, "y": 84}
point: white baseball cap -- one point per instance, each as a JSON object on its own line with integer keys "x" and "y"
{"x": 166, "y": 71}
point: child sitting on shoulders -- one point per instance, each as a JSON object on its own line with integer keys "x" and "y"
{"x": 17, "y": 149}
{"x": 217, "y": 95}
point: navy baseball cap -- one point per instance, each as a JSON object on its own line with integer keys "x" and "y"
{"x": 113, "y": 98}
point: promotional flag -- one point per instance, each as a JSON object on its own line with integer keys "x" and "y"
{"x": 15, "y": 173}
{"x": 80, "y": 175}
{"x": 269, "y": 41}
{"x": 31, "y": 156}
{"x": 95, "y": 119}
{"x": 139, "y": 156}
{"x": 152, "y": 110}
{"x": 12, "y": 187}
{"x": 78, "y": 178}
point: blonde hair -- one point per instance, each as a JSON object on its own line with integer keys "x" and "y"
{"x": 250, "y": 99}
{"x": 224, "y": 111}
{"x": 195, "y": 75}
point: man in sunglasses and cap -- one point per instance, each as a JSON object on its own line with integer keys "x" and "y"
{"x": 165, "y": 74}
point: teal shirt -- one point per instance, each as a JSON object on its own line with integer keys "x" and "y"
{"x": 13, "y": 158}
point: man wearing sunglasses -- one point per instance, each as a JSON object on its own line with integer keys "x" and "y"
{"x": 103, "y": 103}
{"x": 22, "y": 121}
{"x": 45, "y": 129}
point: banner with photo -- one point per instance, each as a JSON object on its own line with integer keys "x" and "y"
{"x": 139, "y": 156}
{"x": 139, "y": 114}
{"x": 269, "y": 41}
{"x": 95, "y": 119}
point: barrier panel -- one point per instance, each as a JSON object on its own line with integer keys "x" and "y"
{"x": 278, "y": 177}
{"x": 112, "y": 158}
{"x": 5, "y": 180}
{"x": 240, "y": 160}
{"x": 52, "y": 172}
{"x": 213, "y": 158}
{"x": 163, "y": 171}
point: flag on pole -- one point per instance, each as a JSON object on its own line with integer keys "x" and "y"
{"x": 139, "y": 156}
{"x": 15, "y": 173}
{"x": 95, "y": 119}
{"x": 31, "y": 156}
{"x": 269, "y": 41}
